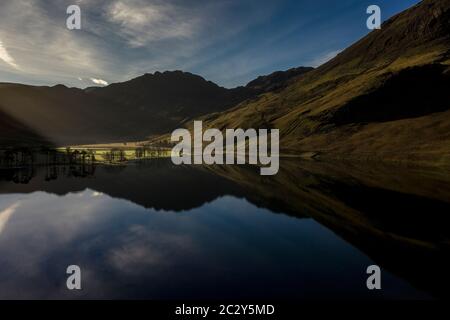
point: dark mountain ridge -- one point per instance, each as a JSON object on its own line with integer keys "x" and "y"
{"x": 170, "y": 97}
{"x": 148, "y": 105}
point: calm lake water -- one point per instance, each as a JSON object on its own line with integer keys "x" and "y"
{"x": 156, "y": 231}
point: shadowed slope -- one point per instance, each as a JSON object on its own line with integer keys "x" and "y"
{"x": 13, "y": 133}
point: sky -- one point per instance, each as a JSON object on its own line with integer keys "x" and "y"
{"x": 229, "y": 42}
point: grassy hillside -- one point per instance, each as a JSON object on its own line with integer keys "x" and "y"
{"x": 386, "y": 96}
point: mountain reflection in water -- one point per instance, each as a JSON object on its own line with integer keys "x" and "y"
{"x": 158, "y": 231}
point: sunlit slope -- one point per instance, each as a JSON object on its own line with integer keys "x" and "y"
{"x": 385, "y": 96}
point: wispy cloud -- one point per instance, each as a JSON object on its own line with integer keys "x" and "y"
{"x": 120, "y": 40}
{"x": 142, "y": 23}
{"x": 227, "y": 41}
{"x": 6, "y": 57}
{"x": 99, "y": 81}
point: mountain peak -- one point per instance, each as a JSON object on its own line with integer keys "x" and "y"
{"x": 406, "y": 34}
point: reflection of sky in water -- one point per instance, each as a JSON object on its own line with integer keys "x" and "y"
{"x": 227, "y": 248}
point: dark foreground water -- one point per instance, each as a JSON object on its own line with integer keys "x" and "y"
{"x": 156, "y": 231}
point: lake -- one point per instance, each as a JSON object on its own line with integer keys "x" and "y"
{"x": 152, "y": 230}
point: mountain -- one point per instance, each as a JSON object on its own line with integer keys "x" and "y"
{"x": 277, "y": 80}
{"x": 385, "y": 97}
{"x": 166, "y": 99}
{"x": 133, "y": 110}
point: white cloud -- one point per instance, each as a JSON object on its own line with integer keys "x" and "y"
{"x": 142, "y": 23}
{"x": 121, "y": 40}
{"x": 99, "y": 81}
{"x": 6, "y": 57}
{"x": 324, "y": 58}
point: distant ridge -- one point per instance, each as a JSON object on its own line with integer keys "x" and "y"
{"x": 148, "y": 105}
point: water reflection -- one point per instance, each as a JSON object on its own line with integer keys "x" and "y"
{"x": 153, "y": 230}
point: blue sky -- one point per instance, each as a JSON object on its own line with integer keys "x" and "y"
{"x": 226, "y": 41}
